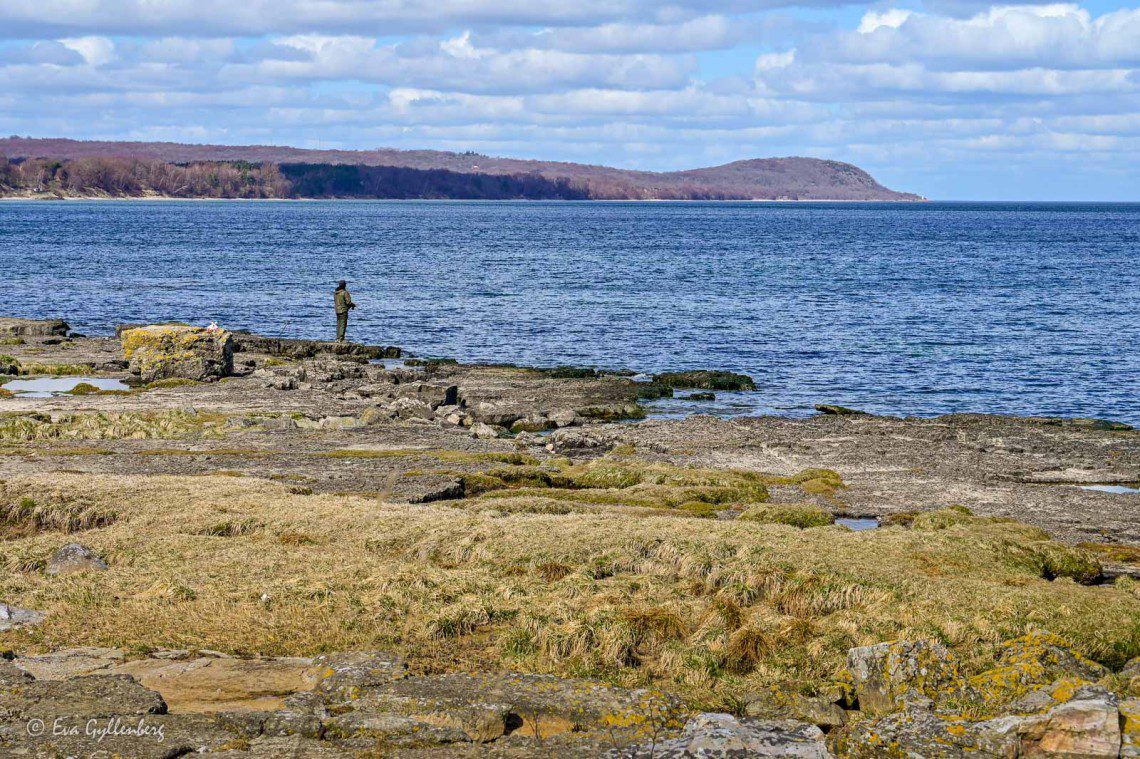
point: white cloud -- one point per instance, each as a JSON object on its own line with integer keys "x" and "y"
{"x": 892, "y": 18}
{"x": 628, "y": 82}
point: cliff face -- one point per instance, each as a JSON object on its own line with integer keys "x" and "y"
{"x": 429, "y": 173}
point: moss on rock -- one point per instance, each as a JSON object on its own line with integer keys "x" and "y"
{"x": 703, "y": 379}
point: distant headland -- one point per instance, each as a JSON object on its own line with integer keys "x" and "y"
{"x": 64, "y": 168}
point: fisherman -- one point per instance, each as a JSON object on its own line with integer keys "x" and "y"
{"x": 343, "y": 302}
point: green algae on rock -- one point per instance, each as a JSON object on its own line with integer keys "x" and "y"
{"x": 705, "y": 379}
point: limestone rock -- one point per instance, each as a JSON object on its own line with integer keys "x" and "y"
{"x": 70, "y": 662}
{"x": 1080, "y": 728}
{"x": 533, "y": 422}
{"x": 1030, "y": 662}
{"x": 10, "y": 327}
{"x": 207, "y": 684}
{"x": 299, "y": 349}
{"x": 410, "y": 408}
{"x": 168, "y": 350}
{"x": 494, "y": 414}
{"x": 563, "y": 417}
{"x": 87, "y": 696}
{"x": 1130, "y": 728}
{"x": 885, "y": 672}
{"x": 581, "y": 439}
{"x": 343, "y": 676}
{"x": 921, "y": 733}
{"x": 73, "y": 558}
{"x": 486, "y": 431}
{"x": 822, "y": 711}
{"x": 722, "y": 735}
{"x": 12, "y": 676}
{"x": 12, "y": 617}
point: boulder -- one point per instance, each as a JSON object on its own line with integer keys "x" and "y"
{"x": 563, "y": 417}
{"x": 885, "y": 672}
{"x": 834, "y": 410}
{"x": 10, "y": 327}
{"x": 722, "y": 735}
{"x": 1028, "y": 663}
{"x": 163, "y": 351}
{"x": 73, "y": 558}
{"x": 486, "y": 431}
{"x": 533, "y": 422}
{"x": 581, "y": 439}
{"x": 410, "y": 408}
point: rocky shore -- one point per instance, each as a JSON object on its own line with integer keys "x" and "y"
{"x": 263, "y": 547}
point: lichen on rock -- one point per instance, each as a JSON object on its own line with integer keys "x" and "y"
{"x": 163, "y": 351}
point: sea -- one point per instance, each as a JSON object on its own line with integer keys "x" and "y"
{"x": 893, "y": 308}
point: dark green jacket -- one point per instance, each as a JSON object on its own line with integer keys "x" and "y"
{"x": 343, "y": 301}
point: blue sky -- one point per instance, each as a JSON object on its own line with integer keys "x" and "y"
{"x": 953, "y": 99}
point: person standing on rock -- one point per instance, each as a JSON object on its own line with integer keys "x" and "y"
{"x": 343, "y": 303}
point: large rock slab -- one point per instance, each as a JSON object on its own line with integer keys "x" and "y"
{"x": 165, "y": 351}
{"x": 207, "y": 684}
{"x": 10, "y": 327}
{"x": 290, "y": 348}
{"x": 722, "y": 735}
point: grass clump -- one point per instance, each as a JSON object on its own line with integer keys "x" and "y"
{"x": 621, "y": 480}
{"x": 793, "y": 515}
{"x": 46, "y": 510}
{"x": 13, "y": 341}
{"x": 941, "y": 519}
{"x": 84, "y": 388}
{"x": 8, "y": 364}
{"x": 55, "y": 370}
{"x": 170, "y": 382}
{"x": 1116, "y": 552}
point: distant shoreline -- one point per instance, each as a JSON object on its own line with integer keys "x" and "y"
{"x": 175, "y": 199}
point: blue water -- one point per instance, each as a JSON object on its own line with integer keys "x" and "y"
{"x": 908, "y": 308}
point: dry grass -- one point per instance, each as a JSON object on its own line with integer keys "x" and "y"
{"x": 712, "y": 609}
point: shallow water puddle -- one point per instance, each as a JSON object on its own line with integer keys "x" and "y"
{"x": 858, "y": 524}
{"x": 46, "y": 387}
{"x": 1115, "y": 489}
{"x": 726, "y": 404}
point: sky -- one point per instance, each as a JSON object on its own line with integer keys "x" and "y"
{"x": 952, "y": 99}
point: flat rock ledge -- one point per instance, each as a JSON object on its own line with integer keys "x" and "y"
{"x": 897, "y": 702}
{"x": 97, "y": 702}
